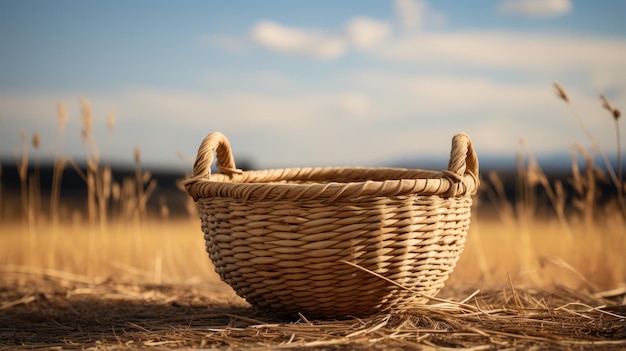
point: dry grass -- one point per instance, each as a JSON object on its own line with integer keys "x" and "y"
{"x": 62, "y": 311}
{"x": 120, "y": 280}
{"x": 151, "y": 285}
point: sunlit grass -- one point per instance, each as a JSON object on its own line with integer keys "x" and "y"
{"x": 537, "y": 254}
{"x": 169, "y": 252}
{"x": 116, "y": 239}
{"x": 115, "y": 275}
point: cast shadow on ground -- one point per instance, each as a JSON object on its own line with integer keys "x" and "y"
{"x": 53, "y": 313}
{"x": 71, "y": 316}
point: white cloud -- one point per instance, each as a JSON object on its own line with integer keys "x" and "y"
{"x": 413, "y": 15}
{"x": 515, "y": 51}
{"x": 367, "y": 116}
{"x": 410, "y": 14}
{"x": 373, "y": 118}
{"x": 361, "y": 32}
{"x": 431, "y": 95}
{"x": 251, "y": 110}
{"x": 403, "y": 114}
{"x": 285, "y": 130}
{"x": 496, "y": 114}
{"x": 281, "y": 38}
{"x": 365, "y": 32}
{"x": 536, "y": 8}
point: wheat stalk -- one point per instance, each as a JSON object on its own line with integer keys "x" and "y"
{"x": 22, "y": 171}
{"x": 98, "y": 179}
{"x": 1, "y": 208}
{"x": 556, "y": 197}
{"x": 141, "y": 210}
{"x": 498, "y": 196}
{"x": 617, "y": 181}
{"x": 585, "y": 185}
{"x": 616, "y": 115}
{"x": 92, "y": 158}
{"x": 59, "y": 165}
{"x": 34, "y": 191}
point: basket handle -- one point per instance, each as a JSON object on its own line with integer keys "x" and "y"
{"x": 214, "y": 143}
{"x": 463, "y": 159}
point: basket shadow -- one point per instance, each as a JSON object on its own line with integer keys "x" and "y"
{"x": 58, "y": 315}
{"x": 44, "y": 317}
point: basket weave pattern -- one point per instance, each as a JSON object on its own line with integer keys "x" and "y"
{"x": 282, "y": 239}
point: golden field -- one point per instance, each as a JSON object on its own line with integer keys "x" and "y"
{"x": 541, "y": 270}
{"x": 537, "y": 254}
{"x": 127, "y": 285}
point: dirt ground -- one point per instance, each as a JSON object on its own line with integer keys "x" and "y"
{"x": 45, "y": 311}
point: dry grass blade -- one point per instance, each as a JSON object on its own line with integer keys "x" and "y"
{"x": 616, "y": 177}
{"x": 23, "y": 300}
{"x": 590, "y": 308}
{"x": 36, "y": 140}
{"x": 607, "y": 105}
{"x": 47, "y": 273}
{"x": 561, "y": 92}
{"x": 621, "y": 291}
{"x": 620, "y": 177}
{"x": 432, "y": 298}
{"x": 53, "y": 312}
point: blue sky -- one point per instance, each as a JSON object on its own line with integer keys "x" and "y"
{"x": 323, "y": 83}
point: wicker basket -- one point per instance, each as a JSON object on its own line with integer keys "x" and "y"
{"x": 333, "y": 242}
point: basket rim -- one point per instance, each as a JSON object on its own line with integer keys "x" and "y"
{"x": 461, "y": 178}
{"x": 330, "y": 183}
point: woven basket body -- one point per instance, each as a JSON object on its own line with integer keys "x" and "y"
{"x": 333, "y": 242}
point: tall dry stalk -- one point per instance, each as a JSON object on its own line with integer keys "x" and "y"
{"x": 99, "y": 180}
{"x": 128, "y": 200}
{"x": 525, "y": 195}
{"x": 523, "y": 216}
{"x": 92, "y": 159}
{"x": 616, "y": 114}
{"x": 585, "y": 185}
{"x": 1, "y": 202}
{"x": 525, "y": 200}
{"x": 498, "y": 196}
{"x": 143, "y": 192}
{"x": 106, "y": 180}
{"x": 22, "y": 171}
{"x": 163, "y": 208}
{"x": 617, "y": 180}
{"x": 139, "y": 181}
{"x": 557, "y": 196}
{"x": 134, "y": 193}
{"x": 34, "y": 184}
{"x": 60, "y": 163}
{"x": 96, "y": 205}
